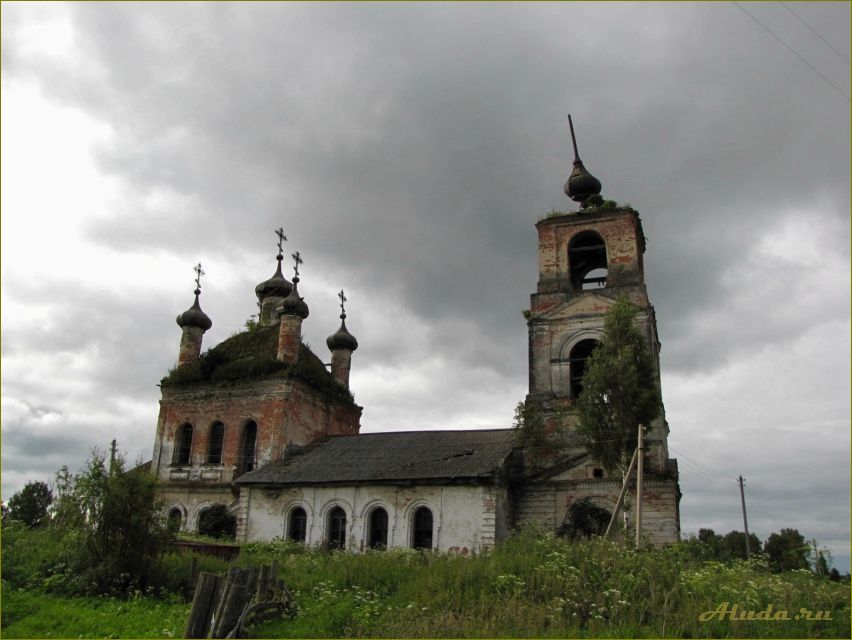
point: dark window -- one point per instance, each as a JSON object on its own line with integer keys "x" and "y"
{"x": 597, "y": 473}
{"x": 174, "y": 519}
{"x": 587, "y": 261}
{"x": 245, "y": 461}
{"x": 577, "y": 361}
{"x": 422, "y": 529}
{"x": 214, "y": 448}
{"x": 216, "y": 522}
{"x": 183, "y": 444}
{"x": 378, "y": 532}
{"x": 337, "y": 529}
{"x": 298, "y": 525}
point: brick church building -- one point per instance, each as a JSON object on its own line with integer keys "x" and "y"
{"x": 258, "y": 428}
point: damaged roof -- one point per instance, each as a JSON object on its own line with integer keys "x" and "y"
{"x": 402, "y": 456}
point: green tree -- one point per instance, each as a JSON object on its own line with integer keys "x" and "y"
{"x": 619, "y": 389}
{"x": 30, "y": 504}
{"x": 111, "y": 518}
{"x": 529, "y": 424}
{"x": 734, "y": 543}
{"x": 787, "y": 550}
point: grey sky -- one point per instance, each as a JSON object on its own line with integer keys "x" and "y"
{"x": 408, "y": 151}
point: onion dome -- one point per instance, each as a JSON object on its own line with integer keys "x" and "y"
{"x": 342, "y": 339}
{"x": 293, "y": 304}
{"x": 194, "y": 316}
{"x": 277, "y": 285}
{"x": 581, "y": 184}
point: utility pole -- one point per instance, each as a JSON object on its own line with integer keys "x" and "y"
{"x": 624, "y": 484}
{"x": 640, "y": 459}
{"x": 817, "y": 567}
{"x": 112, "y": 448}
{"x": 745, "y": 519}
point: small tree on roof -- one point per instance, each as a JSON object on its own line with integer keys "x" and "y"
{"x": 619, "y": 389}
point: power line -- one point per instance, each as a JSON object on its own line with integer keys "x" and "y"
{"x": 706, "y": 472}
{"x": 816, "y": 33}
{"x": 793, "y": 51}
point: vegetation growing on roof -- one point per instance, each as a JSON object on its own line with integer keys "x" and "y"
{"x": 252, "y": 355}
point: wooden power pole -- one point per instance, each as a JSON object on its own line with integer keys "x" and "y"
{"x": 640, "y": 459}
{"x": 745, "y": 519}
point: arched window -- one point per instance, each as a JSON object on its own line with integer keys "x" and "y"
{"x": 174, "y": 518}
{"x": 337, "y": 529}
{"x": 298, "y": 529}
{"x": 214, "y": 446}
{"x": 215, "y": 521}
{"x": 245, "y": 458}
{"x": 377, "y": 536}
{"x": 587, "y": 261}
{"x": 183, "y": 444}
{"x": 577, "y": 361}
{"x": 422, "y": 525}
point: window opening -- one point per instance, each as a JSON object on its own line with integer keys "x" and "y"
{"x": 378, "y": 534}
{"x": 216, "y": 522}
{"x": 174, "y": 518}
{"x": 246, "y": 459}
{"x": 422, "y": 528}
{"x": 337, "y": 529}
{"x": 587, "y": 261}
{"x": 214, "y": 449}
{"x": 298, "y": 525}
{"x": 183, "y": 444}
{"x": 577, "y": 361}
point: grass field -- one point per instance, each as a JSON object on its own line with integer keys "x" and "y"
{"x": 529, "y": 587}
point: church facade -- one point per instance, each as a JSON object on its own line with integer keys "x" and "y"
{"x": 260, "y": 429}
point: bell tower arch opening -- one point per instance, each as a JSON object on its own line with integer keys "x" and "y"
{"x": 587, "y": 261}
{"x": 577, "y": 363}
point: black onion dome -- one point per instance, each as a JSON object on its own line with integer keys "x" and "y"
{"x": 277, "y": 285}
{"x": 342, "y": 339}
{"x": 581, "y": 184}
{"x": 293, "y": 304}
{"x": 194, "y": 316}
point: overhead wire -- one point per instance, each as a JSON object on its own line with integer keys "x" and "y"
{"x": 816, "y": 33}
{"x": 702, "y": 470}
{"x": 793, "y": 51}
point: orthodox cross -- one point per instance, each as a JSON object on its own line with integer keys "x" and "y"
{"x": 297, "y": 257}
{"x": 198, "y": 273}
{"x": 342, "y": 301}
{"x": 281, "y": 239}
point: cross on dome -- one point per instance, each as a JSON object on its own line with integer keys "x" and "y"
{"x": 281, "y": 239}
{"x": 198, "y": 273}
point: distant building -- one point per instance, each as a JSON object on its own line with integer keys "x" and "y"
{"x": 258, "y": 428}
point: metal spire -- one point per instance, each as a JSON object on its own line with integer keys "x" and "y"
{"x": 297, "y": 257}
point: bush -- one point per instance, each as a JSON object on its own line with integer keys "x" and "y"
{"x": 109, "y": 518}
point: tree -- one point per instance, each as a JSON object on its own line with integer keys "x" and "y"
{"x": 111, "y": 517}
{"x": 619, "y": 389}
{"x": 30, "y": 504}
{"x": 529, "y": 424}
{"x": 787, "y": 550}
{"x": 216, "y": 522}
{"x": 734, "y": 543}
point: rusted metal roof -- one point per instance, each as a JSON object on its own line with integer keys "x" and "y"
{"x": 390, "y": 457}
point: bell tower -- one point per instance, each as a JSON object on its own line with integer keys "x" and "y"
{"x": 587, "y": 260}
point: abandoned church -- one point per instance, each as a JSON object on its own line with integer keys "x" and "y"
{"x": 260, "y": 432}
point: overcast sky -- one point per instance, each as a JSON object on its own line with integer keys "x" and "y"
{"x": 408, "y": 150}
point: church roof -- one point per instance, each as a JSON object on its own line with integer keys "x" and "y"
{"x": 251, "y": 355}
{"x": 403, "y": 456}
